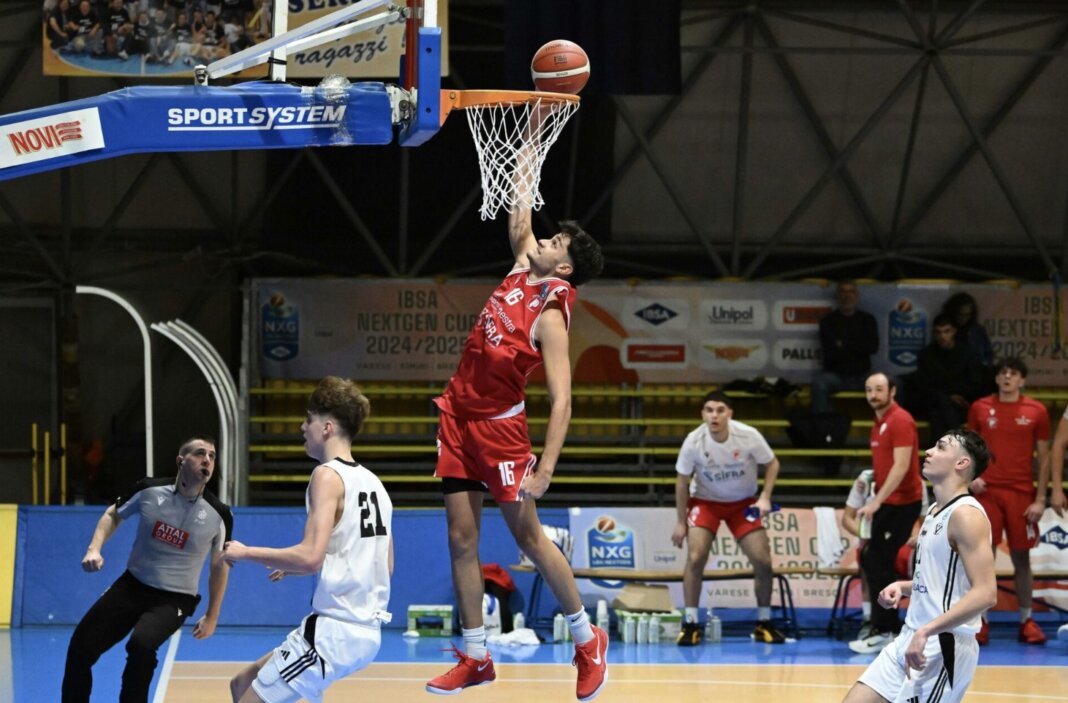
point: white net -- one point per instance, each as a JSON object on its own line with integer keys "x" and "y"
{"x": 512, "y": 140}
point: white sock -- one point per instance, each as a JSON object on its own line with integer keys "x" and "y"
{"x": 764, "y": 612}
{"x": 691, "y": 615}
{"x": 1025, "y": 613}
{"x": 865, "y": 608}
{"x": 475, "y": 642}
{"x": 579, "y": 623}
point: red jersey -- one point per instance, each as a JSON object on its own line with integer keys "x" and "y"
{"x": 500, "y": 353}
{"x": 896, "y": 429}
{"x": 1011, "y": 431}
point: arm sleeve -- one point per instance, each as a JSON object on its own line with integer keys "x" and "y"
{"x": 126, "y": 503}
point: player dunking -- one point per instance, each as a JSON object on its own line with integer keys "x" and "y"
{"x": 483, "y": 443}
{"x": 935, "y": 655}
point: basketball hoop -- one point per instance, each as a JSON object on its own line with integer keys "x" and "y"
{"x": 513, "y": 131}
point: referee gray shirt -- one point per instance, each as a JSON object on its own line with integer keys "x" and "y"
{"x": 175, "y": 534}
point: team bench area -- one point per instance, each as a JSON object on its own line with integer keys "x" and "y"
{"x": 779, "y": 573}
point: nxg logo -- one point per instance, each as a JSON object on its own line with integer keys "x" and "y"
{"x": 656, "y": 314}
{"x": 908, "y": 333}
{"x": 1056, "y": 537}
{"x": 280, "y": 331}
{"x": 610, "y": 545}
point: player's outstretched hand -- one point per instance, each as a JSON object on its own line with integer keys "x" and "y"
{"x": 92, "y": 561}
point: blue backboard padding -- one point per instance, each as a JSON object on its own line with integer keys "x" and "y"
{"x": 51, "y": 588}
{"x": 426, "y": 121}
{"x": 256, "y": 115}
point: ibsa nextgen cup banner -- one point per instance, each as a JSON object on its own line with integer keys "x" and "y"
{"x": 414, "y": 330}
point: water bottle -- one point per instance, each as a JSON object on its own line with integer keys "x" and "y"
{"x": 518, "y": 622}
{"x": 864, "y": 528}
{"x": 629, "y": 629}
{"x": 714, "y": 629}
{"x": 654, "y": 629}
{"x": 559, "y": 627}
{"x": 603, "y": 620}
{"x": 643, "y": 628}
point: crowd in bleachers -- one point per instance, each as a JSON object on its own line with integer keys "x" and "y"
{"x": 188, "y": 32}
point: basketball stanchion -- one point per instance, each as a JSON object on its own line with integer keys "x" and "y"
{"x": 33, "y": 460}
{"x": 47, "y": 467}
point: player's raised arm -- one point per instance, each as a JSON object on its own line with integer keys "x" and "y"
{"x": 520, "y": 230}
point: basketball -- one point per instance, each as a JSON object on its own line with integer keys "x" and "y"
{"x": 560, "y": 66}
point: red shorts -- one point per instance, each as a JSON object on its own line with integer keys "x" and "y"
{"x": 1005, "y": 508}
{"x": 495, "y": 453}
{"x": 708, "y": 514}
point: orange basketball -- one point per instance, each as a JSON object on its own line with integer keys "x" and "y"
{"x": 560, "y": 66}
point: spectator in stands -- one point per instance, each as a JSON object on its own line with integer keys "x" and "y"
{"x": 484, "y": 441}
{"x": 87, "y": 34}
{"x": 848, "y": 338}
{"x": 963, "y": 311}
{"x": 183, "y": 41}
{"x": 893, "y": 510}
{"x": 141, "y": 39}
{"x": 213, "y": 44}
{"x": 947, "y": 379}
{"x": 716, "y": 480}
{"x": 935, "y": 656}
{"x": 1015, "y": 427}
{"x": 181, "y": 523}
{"x": 162, "y": 41}
{"x": 60, "y": 27}
{"x": 117, "y": 29}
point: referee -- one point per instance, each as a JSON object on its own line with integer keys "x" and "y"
{"x": 180, "y": 523}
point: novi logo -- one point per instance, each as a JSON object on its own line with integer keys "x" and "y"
{"x": 656, "y": 314}
{"x": 46, "y": 137}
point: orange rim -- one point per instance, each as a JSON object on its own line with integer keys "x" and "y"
{"x": 462, "y": 99}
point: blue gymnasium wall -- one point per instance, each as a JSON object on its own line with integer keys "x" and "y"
{"x": 51, "y": 589}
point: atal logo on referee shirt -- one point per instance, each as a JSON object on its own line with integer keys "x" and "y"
{"x": 170, "y": 534}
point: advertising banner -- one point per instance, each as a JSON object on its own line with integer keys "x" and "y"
{"x": 622, "y": 333}
{"x": 157, "y": 43}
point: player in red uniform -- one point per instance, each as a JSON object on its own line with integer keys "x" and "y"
{"x": 1014, "y": 427}
{"x": 483, "y": 443}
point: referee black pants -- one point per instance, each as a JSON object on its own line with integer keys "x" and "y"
{"x": 152, "y": 615}
{"x": 891, "y": 528}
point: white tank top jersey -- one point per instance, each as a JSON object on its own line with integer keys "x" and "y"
{"x": 353, "y": 582}
{"x": 723, "y": 471}
{"x": 938, "y": 576}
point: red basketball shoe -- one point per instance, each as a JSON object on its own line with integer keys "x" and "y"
{"x": 1031, "y": 633}
{"x": 469, "y": 672}
{"x": 592, "y": 662}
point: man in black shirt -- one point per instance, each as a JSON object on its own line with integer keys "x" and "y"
{"x": 848, "y": 338}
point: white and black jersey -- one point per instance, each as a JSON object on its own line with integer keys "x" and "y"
{"x": 938, "y": 576}
{"x": 175, "y": 533}
{"x": 354, "y": 578}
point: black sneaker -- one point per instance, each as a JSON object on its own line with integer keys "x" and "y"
{"x": 767, "y": 633}
{"x": 690, "y": 635}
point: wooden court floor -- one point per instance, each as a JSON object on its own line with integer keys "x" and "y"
{"x": 207, "y": 682}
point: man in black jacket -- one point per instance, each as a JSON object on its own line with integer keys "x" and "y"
{"x": 848, "y": 338}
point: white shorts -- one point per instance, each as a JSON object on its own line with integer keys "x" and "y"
{"x": 951, "y": 662}
{"x": 314, "y": 655}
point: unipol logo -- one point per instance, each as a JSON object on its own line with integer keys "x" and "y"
{"x": 656, "y": 314}
{"x": 48, "y": 137}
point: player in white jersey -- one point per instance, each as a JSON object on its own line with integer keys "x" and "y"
{"x": 717, "y": 479}
{"x": 348, "y": 542}
{"x": 933, "y": 659}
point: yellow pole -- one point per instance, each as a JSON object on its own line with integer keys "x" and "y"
{"x": 63, "y": 463}
{"x": 33, "y": 460}
{"x": 47, "y": 468}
